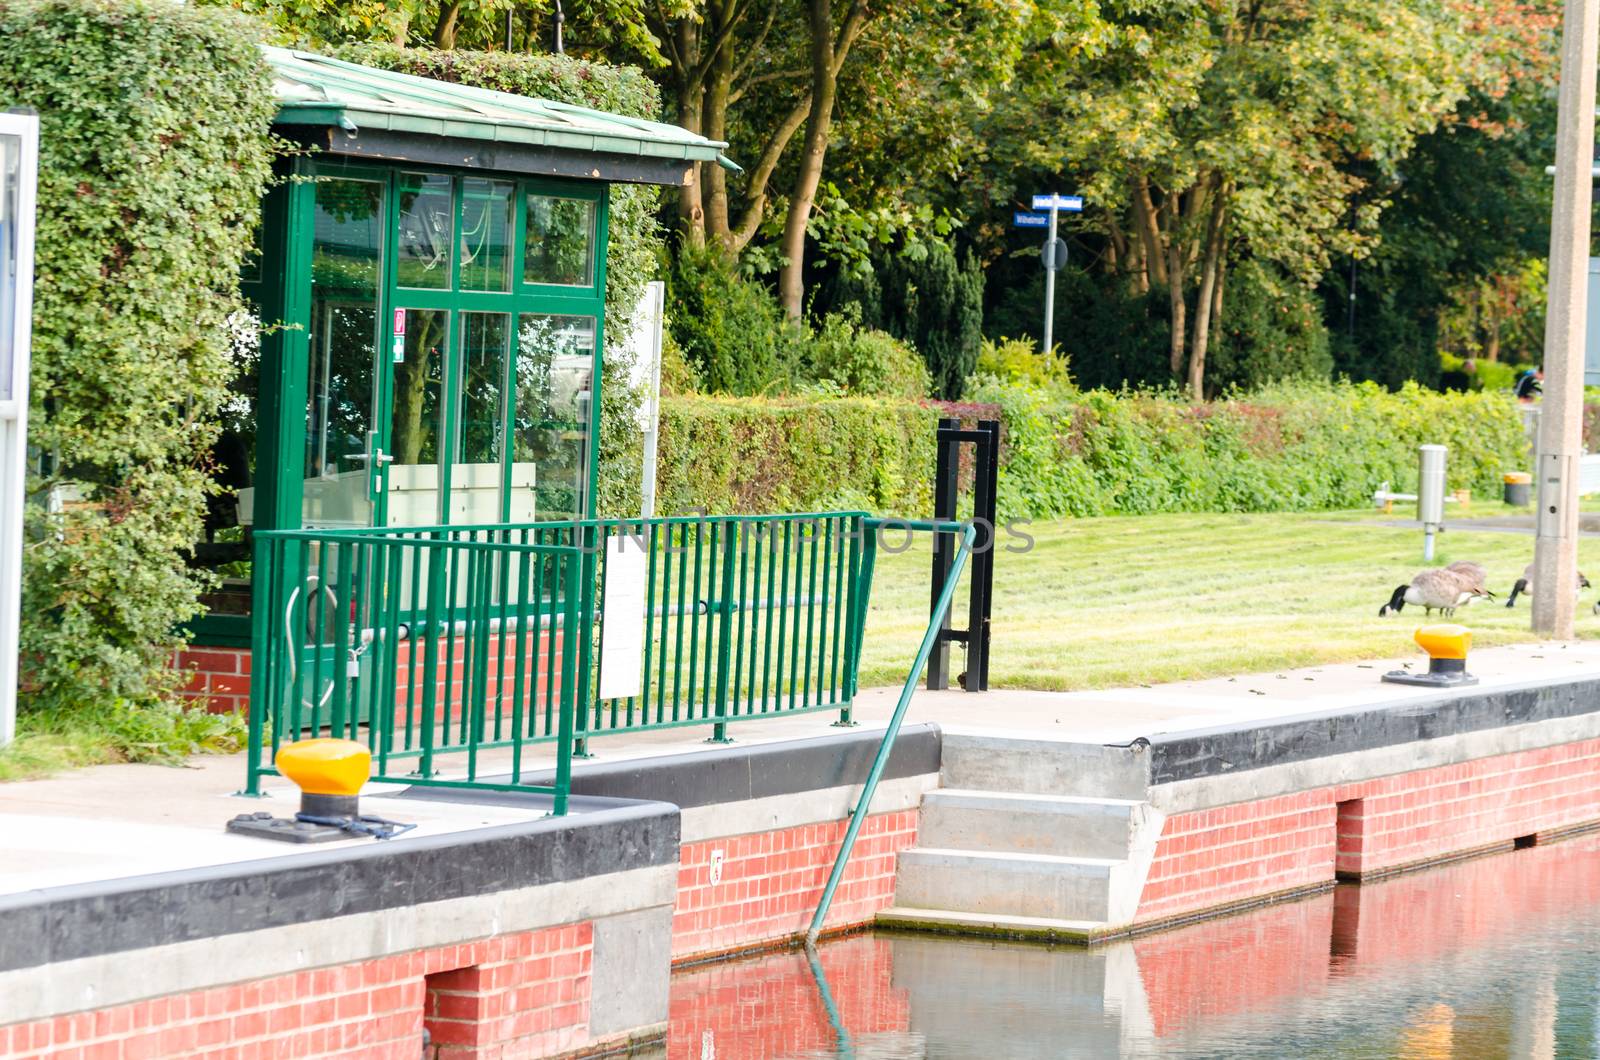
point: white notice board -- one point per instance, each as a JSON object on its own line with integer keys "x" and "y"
{"x": 622, "y": 619}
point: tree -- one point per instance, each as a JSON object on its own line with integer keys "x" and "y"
{"x": 1204, "y": 133}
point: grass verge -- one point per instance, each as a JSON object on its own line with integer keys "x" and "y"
{"x": 1126, "y": 600}
{"x": 48, "y": 742}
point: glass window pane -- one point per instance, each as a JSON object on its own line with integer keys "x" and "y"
{"x": 485, "y": 234}
{"x": 345, "y": 266}
{"x": 414, "y": 425}
{"x": 475, "y": 477}
{"x": 554, "y": 382}
{"x": 426, "y": 222}
{"x": 559, "y": 247}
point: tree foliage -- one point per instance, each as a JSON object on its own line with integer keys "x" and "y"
{"x": 154, "y": 157}
{"x": 1207, "y": 134}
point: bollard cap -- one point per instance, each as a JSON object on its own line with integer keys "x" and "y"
{"x": 1446, "y": 640}
{"x": 325, "y": 766}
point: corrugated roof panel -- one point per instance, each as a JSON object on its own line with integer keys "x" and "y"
{"x": 310, "y": 87}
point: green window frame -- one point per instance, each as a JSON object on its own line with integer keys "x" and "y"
{"x": 283, "y": 293}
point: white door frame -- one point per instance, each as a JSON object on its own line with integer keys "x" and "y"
{"x": 18, "y": 188}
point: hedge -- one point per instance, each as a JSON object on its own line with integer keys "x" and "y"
{"x": 154, "y": 153}
{"x": 1299, "y": 447}
{"x": 725, "y": 455}
{"x": 635, "y": 245}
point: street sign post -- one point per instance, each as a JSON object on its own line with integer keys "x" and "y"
{"x": 19, "y": 160}
{"x": 1053, "y": 255}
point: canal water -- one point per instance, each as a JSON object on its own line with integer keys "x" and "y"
{"x": 1497, "y": 956}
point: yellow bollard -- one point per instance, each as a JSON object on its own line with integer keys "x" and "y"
{"x": 1447, "y": 644}
{"x": 330, "y": 774}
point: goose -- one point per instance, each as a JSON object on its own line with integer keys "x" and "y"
{"x": 1437, "y": 587}
{"x": 1473, "y": 572}
{"x": 1521, "y": 587}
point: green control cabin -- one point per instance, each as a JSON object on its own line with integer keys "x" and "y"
{"x": 430, "y": 295}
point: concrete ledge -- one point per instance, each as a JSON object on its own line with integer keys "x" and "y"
{"x": 62, "y": 924}
{"x": 1304, "y": 773}
{"x": 984, "y": 925}
{"x": 1231, "y": 749}
{"x": 739, "y": 773}
{"x": 114, "y": 978}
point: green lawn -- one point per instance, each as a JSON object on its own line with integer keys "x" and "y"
{"x": 1129, "y": 599}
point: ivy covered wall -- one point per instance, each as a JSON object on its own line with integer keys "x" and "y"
{"x": 154, "y": 156}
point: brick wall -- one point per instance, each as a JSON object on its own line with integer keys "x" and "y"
{"x": 1228, "y": 854}
{"x": 768, "y": 884}
{"x": 219, "y": 678}
{"x": 523, "y": 994}
{"x": 1231, "y": 853}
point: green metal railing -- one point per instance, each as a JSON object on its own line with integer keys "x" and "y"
{"x": 450, "y": 650}
{"x": 869, "y": 787}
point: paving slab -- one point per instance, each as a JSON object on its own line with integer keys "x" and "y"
{"x": 109, "y": 822}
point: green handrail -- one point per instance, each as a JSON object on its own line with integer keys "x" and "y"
{"x": 935, "y": 621}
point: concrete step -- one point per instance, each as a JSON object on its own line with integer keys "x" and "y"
{"x": 1007, "y": 884}
{"x": 994, "y": 925}
{"x": 1044, "y": 767}
{"x": 1059, "y": 825}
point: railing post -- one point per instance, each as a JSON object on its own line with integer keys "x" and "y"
{"x": 725, "y": 607}
{"x": 863, "y": 558}
{"x": 863, "y": 805}
{"x": 266, "y": 564}
{"x": 583, "y": 630}
{"x": 578, "y": 577}
{"x": 946, "y": 480}
{"x": 984, "y": 490}
{"x": 438, "y": 558}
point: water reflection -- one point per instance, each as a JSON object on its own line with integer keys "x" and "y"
{"x": 1494, "y": 957}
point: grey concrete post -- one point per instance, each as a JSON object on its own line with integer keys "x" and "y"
{"x": 1561, "y": 415}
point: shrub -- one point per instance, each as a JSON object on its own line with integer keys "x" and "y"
{"x": 730, "y": 327}
{"x": 1017, "y": 361}
{"x": 155, "y": 153}
{"x": 787, "y": 455}
{"x": 1291, "y": 447}
{"x": 930, "y": 301}
{"x": 1113, "y": 337}
{"x": 1272, "y": 330}
{"x": 864, "y": 362}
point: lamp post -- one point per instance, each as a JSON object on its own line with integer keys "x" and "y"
{"x": 1561, "y": 415}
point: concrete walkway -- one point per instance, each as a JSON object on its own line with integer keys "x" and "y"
{"x": 110, "y": 822}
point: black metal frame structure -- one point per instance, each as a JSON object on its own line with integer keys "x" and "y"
{"x": 946, "y": 496}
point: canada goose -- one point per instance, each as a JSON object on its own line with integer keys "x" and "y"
{"x": 1437, "y": 587}
{"x": 1527, "y": 576}
{"x": 1473, "y": 572}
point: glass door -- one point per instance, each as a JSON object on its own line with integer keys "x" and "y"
{"x": 343, "y": 388}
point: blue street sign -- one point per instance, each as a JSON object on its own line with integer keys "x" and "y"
{"x": 1070, "y": 203}
{"x": 1024, "y": 219}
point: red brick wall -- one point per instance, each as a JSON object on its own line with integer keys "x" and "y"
{"x": 1433, "y": 813}
{"x": 524, "y": 994}
{"x": 219, "y": 678}
{"x": 771, "y": 882}
{"x": 1228, "y": 854}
